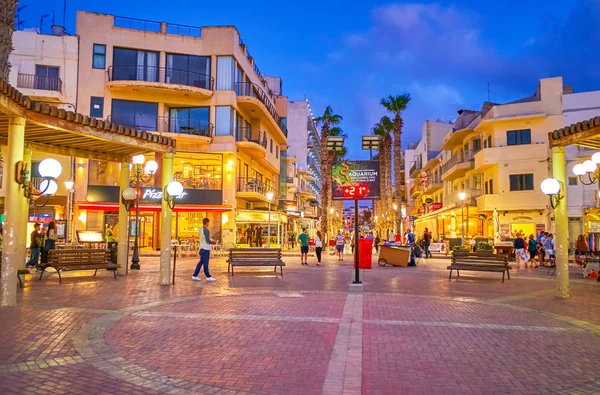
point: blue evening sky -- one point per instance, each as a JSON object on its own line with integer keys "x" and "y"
{"x": 350, "y": 54}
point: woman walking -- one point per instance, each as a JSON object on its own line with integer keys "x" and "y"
{"x": 318, "y": 247}
{"x": 532, "y": 247}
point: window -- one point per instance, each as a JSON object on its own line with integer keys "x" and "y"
{"x": 518, "y": 137}
{"x": 225, "y": 72}
{"x": 99, "y": 57}
{"x": 96, "y": 107}
{"x": 521, "y": 182}
{"x": 224, "y": 121}
{"x": 135, "y": 114}
{"x": 572, "y": 180}
{"x": 134, "y": 65}
{"x": 188, "y": 70}
{"x": 46, "y": 78}
{"x": 194, "y": 120}
{"x": 277, "y": 151}
{"x": 476, "y": 145}
{"x": 271, "y": 145}
{"x": 489, "y": 142}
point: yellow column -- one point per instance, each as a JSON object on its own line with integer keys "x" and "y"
{"x": 21, "y": 256}
{"x": 123, "y": 222}
{"x": 559, "y": 166}
{"x": 13, "y": 245}
{"x": 166, "y": 223}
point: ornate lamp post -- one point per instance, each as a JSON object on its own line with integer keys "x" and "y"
{"x": 462, "y": 196}
{"x": 269, "y": 198}
{"x": 69, "y": 184}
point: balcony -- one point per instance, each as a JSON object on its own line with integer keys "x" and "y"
{"x": 515, "y": 200}
{"x": 433, "y": 185}
{"x": 255, "y": 143}
{"x": 458, "y": 165}
{"x": 198, "y": 130}
{"x": 472, "y": 195}
{"x": 490, "y": 157}
{"x": 37, "y": 86}
{"x": 414, "y": 169}
{"x": 168, "y": 81}
{"x": 306, "y": 192}
{"x": 415, "y": 190}
{"x": 253, "y": 98}
{"x": 253, "y": 190}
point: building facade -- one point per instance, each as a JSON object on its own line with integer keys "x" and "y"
{"x": 201, "y": 86}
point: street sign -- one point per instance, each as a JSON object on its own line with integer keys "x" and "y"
{"x": 353, "y": 180}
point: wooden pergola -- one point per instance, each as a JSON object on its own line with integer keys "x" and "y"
{"x": 584, "y": 134}
{"x": 26, "y": 125}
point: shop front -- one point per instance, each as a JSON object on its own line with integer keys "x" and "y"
{"x": 252, "y": 228}
{"x": 506, "y": 225}
{"x": 448, "y": 223}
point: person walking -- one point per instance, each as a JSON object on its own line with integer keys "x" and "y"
{"x": 318, "y": 247}
{"x": 520, "y": 256}
{"x": 250, "y": 235}
{"x": 549, "y": 247}
{"x": 532, "y": 247}
{"x": 35, "y": 242}
{"x": 426, "y": 243}
{"x": 303, "y": 240}
{"x": 340, "y": 241}
{"x": 50, "y": 241}
{"x": 205, "y": 242}
{"x": 582, "y": 247}
{"x": 377, "y": 242}
{"x": 410, "y": 237}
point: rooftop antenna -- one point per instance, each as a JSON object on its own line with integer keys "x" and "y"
{"x": 490, "y": 100}
{"x": 65, "y": 14}
{"x": 42, "y": 21}
{"x": 19, "y": 21}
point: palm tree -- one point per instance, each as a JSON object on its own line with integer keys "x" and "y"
{"x": 395, "y": 105}
{"x": 338, "y": 155}
{"x": 327, "y": 120}
{"x": 7, "y": 26}
{"x": 384, "y": 129}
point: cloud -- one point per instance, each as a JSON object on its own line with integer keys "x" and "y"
{"x": 436, "y": 95}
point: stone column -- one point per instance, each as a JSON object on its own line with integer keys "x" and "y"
{"x": 166, "y": 221}
{"x": 123, "y": 221}
{"x": 13, "y": 245}
{"x": 559, "y": 172}
{"x": 21, "y": 256}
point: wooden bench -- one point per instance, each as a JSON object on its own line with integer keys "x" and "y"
{"x": 67, "y": 260}
{"x": 493, "y": 263}
{"x": 255, "y": 257}
{"x": 20, "y": 272}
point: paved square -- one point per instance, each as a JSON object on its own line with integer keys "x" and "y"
{"x": 410, "y": 331}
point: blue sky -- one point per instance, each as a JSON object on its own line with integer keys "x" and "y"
{"x": 351, "y": 54}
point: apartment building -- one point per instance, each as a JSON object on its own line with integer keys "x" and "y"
{"x": 201, "y": 86}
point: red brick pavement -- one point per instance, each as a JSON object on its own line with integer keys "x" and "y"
{"x": 261, "y": 333}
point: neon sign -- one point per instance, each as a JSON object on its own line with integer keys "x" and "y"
{"x": 355, "y": 191}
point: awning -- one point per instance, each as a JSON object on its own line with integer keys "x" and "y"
{"x": 184, "y": 208}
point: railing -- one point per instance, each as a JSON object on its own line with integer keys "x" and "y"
{"x": 461, "y": 157}
{"x": 247, "y": 134}
{"x": 416, "y": 166}
{"x": 189, "y": 126}
{"x": 155, "y": 27}
{"x": 31, "y": 81}
{"x": 254, "y": 185}
{"x": 253, "y": 90}
{"x": 164, "y": 75}
{"x": 204, "y": 183}
{"x": 290, "y": 180}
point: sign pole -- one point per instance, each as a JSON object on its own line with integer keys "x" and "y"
{"x": 356, "y": 270}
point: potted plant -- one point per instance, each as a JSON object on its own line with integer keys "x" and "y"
{"x": 485, "y": 249}
{"x": 460, "y": 250}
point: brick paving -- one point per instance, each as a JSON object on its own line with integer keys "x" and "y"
{"x": 411, "y": 331}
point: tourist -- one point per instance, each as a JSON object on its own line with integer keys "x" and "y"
{"x": 303, "y": 240}
{"x": 377, "y": 242}
{"x": 249, "y": 235}
{"x": 318, "y": 247}
{"x": 205, "y": 242}
{"x": 582, "y": 247}
{"x": 520, "y": 255}
{"x": 549, "y": 247}
{"x": 532, "y": 247}
{"x": 426, "y": 243}
{"x": 410, "y": 237}
{"x": 50, "y": 242}
{"x": 340, "y": 240}
{"x": 258, "y": 231}
{"x": 34, "y": 246}
{"x": 542, "y": 247}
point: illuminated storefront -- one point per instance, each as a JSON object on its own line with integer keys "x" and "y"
{"x": 252, "y": 228}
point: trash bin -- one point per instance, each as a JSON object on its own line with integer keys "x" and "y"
{"x": 113, "y": 246}
{"x": 365, "y": 253}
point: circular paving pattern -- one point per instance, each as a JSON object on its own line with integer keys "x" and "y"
{"x": 304, "y": 342}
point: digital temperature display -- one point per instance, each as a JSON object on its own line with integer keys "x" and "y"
{"x": 355, "y": 191}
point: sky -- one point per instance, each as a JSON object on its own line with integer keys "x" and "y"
{"x": 350, "y": 54}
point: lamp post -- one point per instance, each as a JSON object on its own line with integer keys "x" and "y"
{"x": 138, "y": 173}
{"x": 269, "y": 198}
{"x": 462, "y": 196}
{"x": 331, "y": 228}
{"x": 395, "y": 207}
{"x": 69, "y": 184}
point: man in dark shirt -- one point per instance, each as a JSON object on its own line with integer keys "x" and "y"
{"x": 426, "y": 243}
{"x": 34, "y": 246}
{"x": 258, "y": 234}
{"x": 250, "y": 235}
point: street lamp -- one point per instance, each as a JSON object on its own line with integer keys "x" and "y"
{"x": 145, "y": 174}
{"x": 50, "y": 169}
{"x": 552, "y": 188}
{"x": 69, "y": 184}
{"x": 269, "y": 198}
{"x": 462, "y": 196}
{"x": 589, "y": 167}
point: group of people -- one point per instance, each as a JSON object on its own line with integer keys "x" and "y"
{"x": 540, "y": 246}
{"x": 254, "y": 236}
{"x": 41, "y": 241}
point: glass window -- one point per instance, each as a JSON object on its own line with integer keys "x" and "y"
{"x": 271, "y": 145}
{"x": 277, "y": 151}
{"x": 192, "y": 120}
{"x": 134, "y": 65}
{"x": 99, "y": 57}
{"x": 96, "y": 107}
{"x": 204, "y": 171}
{"x": 225, "y": 72}
{"x": 188, "y": 70}
{"x": 521, "y": 182}
{"x": 135, "y": 114}
{"x": 489, "y": 140}
{"x": 476, "y": 145}
{"x": 47, "y": 78}
{"x": 518, "y": 137}
{"x": 572, "y": 180}
{"x": 491, "y": 187}
{"x": 224, "y": 121}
